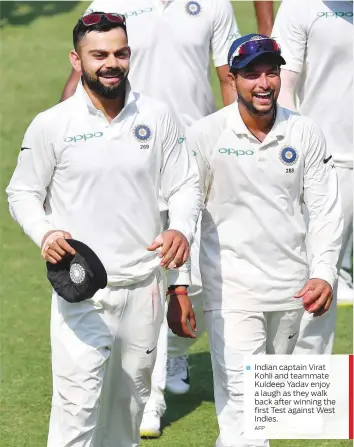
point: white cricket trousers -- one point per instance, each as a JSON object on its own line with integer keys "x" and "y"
{"x": 170, "y": 345}
{"x": 232, "y": 336}
{"x": 317, "y": 333}
{"x": 103, "y": 354}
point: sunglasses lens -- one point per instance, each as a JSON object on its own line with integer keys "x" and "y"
{"x": 270, "y": 45}
{"x": 252, "y": 47}
{"x": 115, "y": 18}
{"x": 249, "y": 48}
{"x": 91, "y": 19}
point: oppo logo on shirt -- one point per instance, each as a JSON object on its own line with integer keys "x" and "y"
{"x": 230, "y": 151}
{"x": 335, "y": 14}
{"x": 233, "y": 36}
{"x": 85, "y": 137}
{"x": 138, "y": 12}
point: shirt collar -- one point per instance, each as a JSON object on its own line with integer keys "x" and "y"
{"x": 84, "y": 98}
{"x": 279, "y": 127}
{"x": 236, "y": 123}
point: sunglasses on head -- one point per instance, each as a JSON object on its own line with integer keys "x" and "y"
{"x": 253, "y": 46}
{"x": 95, "y": 18}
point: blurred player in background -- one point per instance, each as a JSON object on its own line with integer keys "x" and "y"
{"x": 258, "y": 162}
{"x": 316, "y": 39}
{"x": 171, "y": 42}
{"x": 265, "y": 17}
{"x": 98, "y": 161}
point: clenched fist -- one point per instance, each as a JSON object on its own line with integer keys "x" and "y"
{"x": 317, "y": 296}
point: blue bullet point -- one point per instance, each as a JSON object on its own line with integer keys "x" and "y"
{"x": 248, "y": 367}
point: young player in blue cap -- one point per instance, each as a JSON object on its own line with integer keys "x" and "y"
{"x": 258, "y": 163}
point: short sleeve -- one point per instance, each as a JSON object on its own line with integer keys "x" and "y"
{"x": 290, "y": 31}
{"x": 225, "y": 31}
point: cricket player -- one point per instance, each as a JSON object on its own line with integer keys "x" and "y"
{"x": 316, "y": 39}
{"x": 98, "y": 161}
{"x": 172, "y": 42}
{"x": 258, "y": 163}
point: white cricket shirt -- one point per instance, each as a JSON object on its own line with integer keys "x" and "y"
{"x": 253, "y": 252}
{"x": 316, "y": 39}
{"x": 101, "y": 181}
{"x": 171, "y": 46}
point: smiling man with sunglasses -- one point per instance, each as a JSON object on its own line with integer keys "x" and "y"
{"x": 258, "y": 163}
{"x": 98, "y": 163}
{"x": 93, "y": 64}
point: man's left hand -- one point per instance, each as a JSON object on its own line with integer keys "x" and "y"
{"x": 175, "y": 248}
{"x": 317, "y": 296}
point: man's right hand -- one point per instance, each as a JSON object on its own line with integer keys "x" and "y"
{"x": 54, "y": 246}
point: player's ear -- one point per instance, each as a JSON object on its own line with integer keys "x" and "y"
{"x": 232, "y": 80}
{"x": 75, "y": 60}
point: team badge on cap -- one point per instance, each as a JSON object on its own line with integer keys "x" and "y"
{"x": 142, "y": 132}
{"x": 193, "y": 8}
{"x": 288, "y": 156}
{"x": 77, "y": 273}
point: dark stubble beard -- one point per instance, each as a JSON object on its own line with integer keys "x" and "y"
{"x": 252, "y": 109}
{"x": 107, "y": 92}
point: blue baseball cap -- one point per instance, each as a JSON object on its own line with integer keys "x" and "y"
{"x": 257, "y": 45}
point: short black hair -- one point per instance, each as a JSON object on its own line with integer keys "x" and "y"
{"x": 80, "y": 30}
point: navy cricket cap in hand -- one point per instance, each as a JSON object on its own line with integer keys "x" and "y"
{"x": 77, "y": 277}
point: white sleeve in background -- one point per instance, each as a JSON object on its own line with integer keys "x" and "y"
{"x": 225, "y": 31}
{"x": 104, "y": 6}
{"x": 322, "y": 198}
{"x": 27, "y": 188}
{"x": 96, "y": 5}
{"x": 286, "y": 97}
{"x": 290, "y": 31}
{"x": 199, "y": 151}
{"x": 180, "y": 188}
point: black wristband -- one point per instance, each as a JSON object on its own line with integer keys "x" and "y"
{"x": 175, "y": 287}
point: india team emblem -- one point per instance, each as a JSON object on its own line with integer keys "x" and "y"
{"x": 288, "y": 156}
{"x": 77, "y": 273}
{"x": 193, "y": 8}
{"x": 142, "y": 132}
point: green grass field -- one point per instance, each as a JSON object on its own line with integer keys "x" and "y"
{"x": 35, "y": 41}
